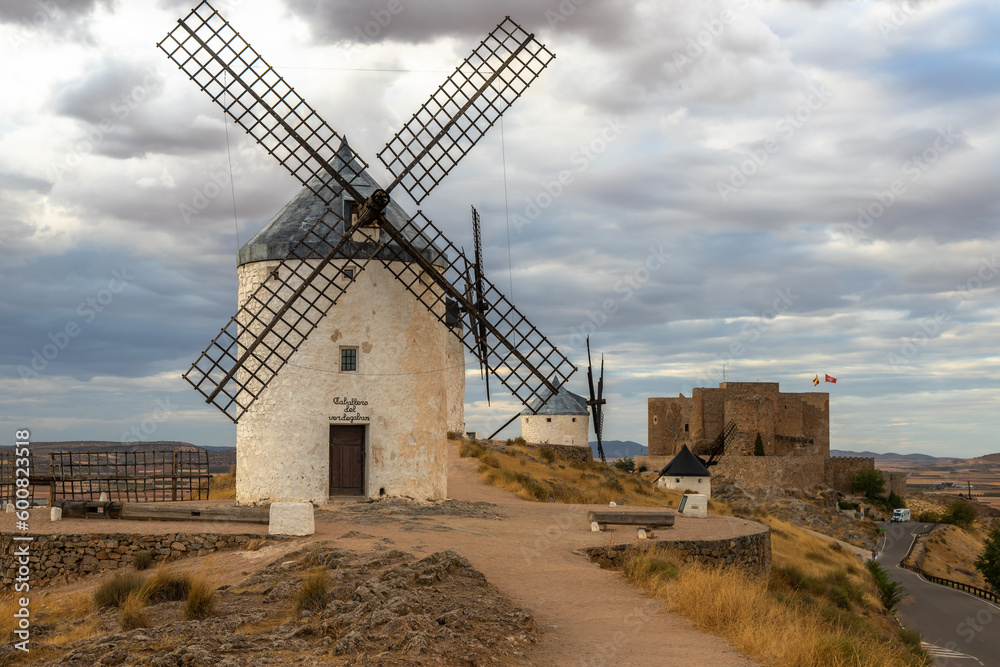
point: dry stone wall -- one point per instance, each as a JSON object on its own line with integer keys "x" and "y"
{"x": 65, "y": 558}
{"x": 751, "y": 552}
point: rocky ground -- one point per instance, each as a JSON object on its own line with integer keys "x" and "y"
{"x": 815, "y": 510}
{"x": 383, "y": 608}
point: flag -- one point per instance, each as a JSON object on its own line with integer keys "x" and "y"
{"x": 830, "y": 379}
{"x": 816, "y": 381}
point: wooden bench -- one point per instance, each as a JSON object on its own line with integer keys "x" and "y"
{"x": 645, "y": 521}
{"x": 89, "y": 509}
{"x": 186, "y": 512}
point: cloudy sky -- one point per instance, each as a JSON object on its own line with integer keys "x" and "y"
{"x": 787, "y": 188}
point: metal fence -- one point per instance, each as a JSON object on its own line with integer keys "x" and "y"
{"x": 150, "y": 476}
{"x": 968, "y": 588}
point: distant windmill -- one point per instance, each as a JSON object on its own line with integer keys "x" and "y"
{"x": 597, "y": 401}
{"x": 357, "y": 226}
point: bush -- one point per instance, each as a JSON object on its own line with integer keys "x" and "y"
{"x": 847, "y": 506}
{"x": 641, "y": 468}
{"x": 113, "y": 593}
{"x": 133, "y": 614}
{"x": 471, "y": 450}
{"x": 166, "y": 586}
{"x": 758, "y": 446}
{"x": 988, "y": 562}
{"x": 142, "y": 560}
{"x": 869, "y": 482}
{"x": 890, "y": 592}
{"x": 520, "y": 441}
{"x": 625, "y": 465}
{"x": 547, "y": 454}
{"x": 200, "y": 601}
{"x": 454, "y": 435}
{"x": 961, "y": 513}
{"x": 929, "y": 517}
{"x": 896, "y": 502}
{"x": 313, "y": 595}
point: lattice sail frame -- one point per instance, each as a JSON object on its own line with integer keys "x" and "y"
{"x": 279, "y": 316}
{"x": 464, "y": 108}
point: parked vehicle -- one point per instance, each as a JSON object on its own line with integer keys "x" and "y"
{"x": 900, "y": 515}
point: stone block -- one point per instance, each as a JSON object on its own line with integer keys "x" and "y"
{"x": 291, "y": 519}
{"x": 55, "y": 514}
{"x": 694, "y": 505}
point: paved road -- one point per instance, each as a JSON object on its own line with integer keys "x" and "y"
{"x": 963, "y": 630}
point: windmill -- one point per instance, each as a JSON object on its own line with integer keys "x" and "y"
{"x": 325, "y": 260}
{"x": 597, "y": 401}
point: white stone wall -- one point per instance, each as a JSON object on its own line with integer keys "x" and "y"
{"x": 455, "y": 379}
{"x": 403, "y": 375}
{"x": 695, "y": 484}
{"x": 561, "y": 430}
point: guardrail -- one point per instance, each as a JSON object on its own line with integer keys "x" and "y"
{"x": 968, "y": 588}
{"x": 975, "y": 590}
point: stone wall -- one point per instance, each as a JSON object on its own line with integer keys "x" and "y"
{"x": 773, "y": 472}
{"x": 841, "y": 468}
{"x": 750, "y": 552}
{"x": 63, "y": 558}
{"x": 896, "y": 483}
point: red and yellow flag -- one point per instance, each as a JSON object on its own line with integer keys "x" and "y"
{"x": 815, "y": 380}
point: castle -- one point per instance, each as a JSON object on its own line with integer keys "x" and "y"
{"x": 794, "y": 429}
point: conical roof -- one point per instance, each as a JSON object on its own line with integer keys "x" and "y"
{"x": 564, "y": 402}
{"x": 685, "y": 464}
{"x": 276, "y": 239}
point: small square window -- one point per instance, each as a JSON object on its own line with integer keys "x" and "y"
{"x": 548, "y": 419}
{"x": 350, "y": 211}
{"x": 574, "y": 420}
{"x": 348, "y": 359}
{"x": 677, "y": 480}
{"x": 685, "y": 428}
{"x": 349, "y": 274}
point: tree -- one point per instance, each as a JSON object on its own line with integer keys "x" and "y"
{"x": 758, "y": 446}
{"x": 890, "y": 592}
{"x": 869, "y": 482}
{"x": 962, "y": 513}
{"x": 896, "y": 502}
{"x": 988, "y": 562}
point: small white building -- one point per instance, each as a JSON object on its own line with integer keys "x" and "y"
{"x": 686, "y": 472}
{"x": 364, "y": 406}
{"x": 563, "y": 420}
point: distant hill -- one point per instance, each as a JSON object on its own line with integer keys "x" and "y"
{"x": 619, "y": 449}
{"x": 891, "y": 456}
{"x": 218, "y": 457}
{"x": 989, "y": 458}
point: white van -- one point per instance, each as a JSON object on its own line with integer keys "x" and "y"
{"x": 900, "y": 515}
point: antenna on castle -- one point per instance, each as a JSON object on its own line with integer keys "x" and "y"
{"x": 723, "y": 372}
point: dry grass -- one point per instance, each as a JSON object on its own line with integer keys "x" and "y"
{"x": 164, "y": 586}
{"x": 223, "y": 486}
{"x": 951, "y": 553}
{"x": 313, "y": 595}
{"x": 200, "y": 601}
{"x": 543, "y": 475}
{"x": 789, "y": 620}
{"x": 133, "y": 612}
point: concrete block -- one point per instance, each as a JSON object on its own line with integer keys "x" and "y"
{"x": 595, "y": 527}
{"x": 104, "y": 497}
{"x": 694, "y": 505}
{"x": 291, "y": 519}
{"x": 10, "y": 508}
{"x": 641, "y": 533}
{"x": 55, "y": 514}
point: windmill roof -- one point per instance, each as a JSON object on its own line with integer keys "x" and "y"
{"x": 685, "y": 464}
{"x": 277, "y": 238}
{"x": 564, "y": 402}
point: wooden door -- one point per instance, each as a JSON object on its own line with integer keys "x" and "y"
{"x": 347, "y": 460}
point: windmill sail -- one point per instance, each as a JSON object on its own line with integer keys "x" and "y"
{"x": 279, "y": 316}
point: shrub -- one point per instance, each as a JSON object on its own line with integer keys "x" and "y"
{"x": 758, "y": 446}
{"x": 166, "y": 586}
{"x": 313, "y": 595}
{"x": 520, "y": 441}
{"x": 142, "y": 560}
{"x": 890, "y": 592}
{"x": 988, "y": 562}
{"x": 454, "y": 435}
{"x": 896, "y": 502}
{"x": 642, "y": 468}
{"x": 929, "y": 517}
{"x": 868, "y": 481}
{"x": 613, "y": 484}
{"x": 961, "y": 513}
{"x": 471, "y": 450}
{"x": 847, "y": 506}
{"x": 625, "y": 465}
{"x": 113, "y": 593}
{"x": 547, "y": 454}
{"x": 133, "y": 614}
{"x": 200, "y": 601}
